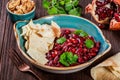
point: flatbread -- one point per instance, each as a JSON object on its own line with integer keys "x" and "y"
{"x": 108, "y": 69}
{"x": 102, "y": 73}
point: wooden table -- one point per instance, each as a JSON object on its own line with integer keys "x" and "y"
{"x": 7, "y": 40}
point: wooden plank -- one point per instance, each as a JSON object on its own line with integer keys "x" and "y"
{"x": 7, "y": 40}
{"x": 2, "y": 21}
{"x": 0, "y": 8}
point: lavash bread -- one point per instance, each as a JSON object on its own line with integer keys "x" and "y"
{"x": 108, "y": 69}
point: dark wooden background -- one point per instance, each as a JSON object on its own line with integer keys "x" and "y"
{"x": 7, "y": 40}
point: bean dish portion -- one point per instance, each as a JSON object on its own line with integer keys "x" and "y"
{"x": 73, "y": 47}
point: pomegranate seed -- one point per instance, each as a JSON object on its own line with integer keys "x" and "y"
{"x": 65, "y": 48}
{"x": 107, "y": 1}
{"x": 68, "y": 40}
{"x": 81, "y": 60}
{"x": 116, "y": 15}
{"x": 94, "y": 50}
{"x": 55, "y": 59}
{"x": 92, "y": 38}
{"x": 57, "y": 47}
{"x": 101, "y": 26}
{"x": 69, "y": 44}
{"x": 48, "y": 56}
{"x": 59, "y": 65}
{"x": 54, "y": 54}
{"x": 100, "y": 4}
{"x": 78, "y": 51}
{"x": 110, "y": 12}
{"x": 89, "y": 56}
{"x": 80, "y": 46}
{"x": 50, "y": 63}
{"x": 82, "y": 40}
{"x": 73, "y": 50}
{"x": 67, "y": 31}
{"x": 70, "y": 48}
{"x": 84, "y": 50}
{"x": 97, "y": 44}
{"x": 78, "y": 39}
{"x": 74, "y": 41}
{"x": 92, "y": 54}
{"x": 85, "y": 58}
{"x": 75, "y": 36}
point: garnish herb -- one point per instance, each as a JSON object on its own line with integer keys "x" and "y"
{"x": 68, "y": 58}
{"x": 81, "y": 33}
{"x": 62, "y": 7}
{"x": 89, "y": 43}
{"x": 61, "y": 40}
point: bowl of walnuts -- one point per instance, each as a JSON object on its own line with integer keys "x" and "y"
{"x": 20, "y": 10}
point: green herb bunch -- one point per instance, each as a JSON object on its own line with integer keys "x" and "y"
{"x": 62, "y": 7}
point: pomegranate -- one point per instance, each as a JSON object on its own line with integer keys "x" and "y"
{"x": 105, "y": 12}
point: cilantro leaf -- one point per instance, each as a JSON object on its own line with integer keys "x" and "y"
{"x": 62, "y": 2}
{"x": 52, "y": 11}
{"x": 74, "y": 12}
{"x": 89, "y": 43}
{"x": 76, "y": 2}
{"x": 61, "y": 40}
{"x": 63, "y": 59}
{"x": 68, "y": 58}
{"x": 68, "y": 6}
{"x": 46, "y": 4}
{"x": 61, "y": 10}
{"x": 75, "y": 57}
{"x": 81, "y": 33}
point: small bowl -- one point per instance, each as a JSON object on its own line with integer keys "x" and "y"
{"x": 65, "y": 21}
{"x": 21, "y": 17}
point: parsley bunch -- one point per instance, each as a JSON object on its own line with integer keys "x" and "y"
{"x": 62, "y": 7}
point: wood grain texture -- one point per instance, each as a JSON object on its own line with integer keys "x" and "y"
{"x": 7, "y": 40}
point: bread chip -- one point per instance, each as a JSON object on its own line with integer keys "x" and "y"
{"x": 46, "y": 31}
{"x": 37, "y": 55}
{"x": 38, "y": 43}
{"x": 27, "y": 44}
{"x": 56, "y": 29}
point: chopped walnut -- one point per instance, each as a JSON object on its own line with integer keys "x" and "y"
{"x": 13, "y": 3}
{"x": 21, "y": 6}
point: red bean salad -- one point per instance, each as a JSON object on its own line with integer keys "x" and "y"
{"x": 73, "y": 47}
